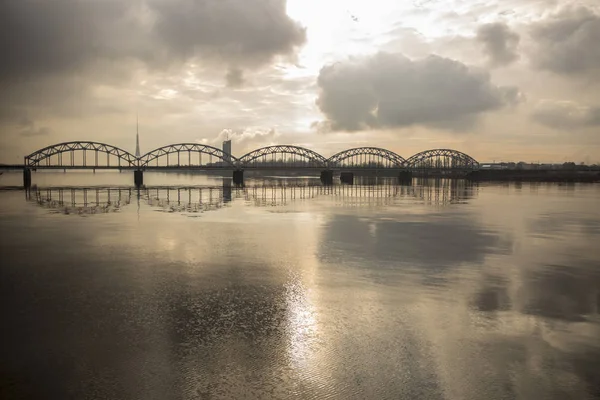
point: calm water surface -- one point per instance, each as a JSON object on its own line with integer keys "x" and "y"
{"x": 438, "y": 290}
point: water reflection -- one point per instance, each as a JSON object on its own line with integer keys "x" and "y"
{"x": 288, "y": 289}
{"x": 81, "y": 201}
{"x": 263, "y": 193}
{"x": 406, "y": 241}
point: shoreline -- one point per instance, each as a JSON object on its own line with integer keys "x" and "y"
{"x": 534, "y": 176}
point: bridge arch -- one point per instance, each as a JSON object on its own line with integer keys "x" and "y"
{"x": 282, "y": 156}
{"x": 224, "y": 160}
{"x": 366, "y": 157}
{"x": 441, "y": 159}
{"x": 34, "y": 159}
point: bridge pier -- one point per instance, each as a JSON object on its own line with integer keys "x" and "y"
{"x": 405, "y": 177}
{"x": 327, "y": 177}
{"x": 238, "y": 176}
{"x": 347, "y": 177}
{"x": 138, "y": 177}
{"x": 26, "y": 178}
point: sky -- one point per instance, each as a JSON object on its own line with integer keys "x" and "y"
{"x": 516, "y": 80}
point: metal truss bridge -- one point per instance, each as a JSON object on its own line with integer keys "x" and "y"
{"x": 194, "y": 156}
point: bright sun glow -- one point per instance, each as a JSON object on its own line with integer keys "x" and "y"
{"x": 338, "y": 29}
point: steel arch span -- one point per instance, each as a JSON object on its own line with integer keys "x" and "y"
{"x": 442, "y": 159}
{"x": 289, "y": 156}
{"x": 34, "y": 159}
{"x": 366, "y": 157}
{"x": 226, "y": 160}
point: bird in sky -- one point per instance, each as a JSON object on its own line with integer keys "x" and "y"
{"x": 352, "y": 16}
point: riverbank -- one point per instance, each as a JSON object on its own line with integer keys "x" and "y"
{"x": 534, "y": 175}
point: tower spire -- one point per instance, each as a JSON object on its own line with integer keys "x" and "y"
{"x": 137, "y": 136}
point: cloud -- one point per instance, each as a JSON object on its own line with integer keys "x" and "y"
{"x": 55, "y": 53}
{"x": 566, "y": 114}
{"x": 567, "y": 42}
{"x": 245, "y": 137}
{"x": 28, "y": 129}
{"x": 389, "y": 90}
{"x": 66, "y": 35}
{"x": 42, "y": 131}
{"x": 244, "y": 32}
{"x": 234, "y": 78}
{"x": 321, "y": 126}
{"x": 499, "y": 43}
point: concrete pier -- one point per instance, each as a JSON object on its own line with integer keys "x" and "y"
{"x": 26, "y": 178}
{"x": 327, "y": 177}
{"x": 238, "y": 177}
{"x": 138, "y": 177}
{"x": 347, "y": 177}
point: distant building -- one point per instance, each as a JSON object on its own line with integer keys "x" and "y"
{"x": 493, "y": 166}
{"x": 227, "y": 150}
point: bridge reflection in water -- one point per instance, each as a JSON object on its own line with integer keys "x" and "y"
{"x": 262, "y": 193}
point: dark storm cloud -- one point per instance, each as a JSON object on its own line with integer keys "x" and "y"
{"x": 567, "y": 42}
{"x": 63, "y": 36}
{"x": 50, "y": 48}
{"x": 499, "y": 43}
{"x": 566, "y": 114}
{"x": 390, "y": 90}
{"x": 248, "y": 32}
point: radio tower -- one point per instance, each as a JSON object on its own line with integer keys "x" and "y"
{"x": 137, "y": 137}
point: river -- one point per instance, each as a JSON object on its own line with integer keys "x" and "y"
{"x": 193, "y": 289}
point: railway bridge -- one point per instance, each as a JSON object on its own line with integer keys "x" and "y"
{"x": 88, "y": 155}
